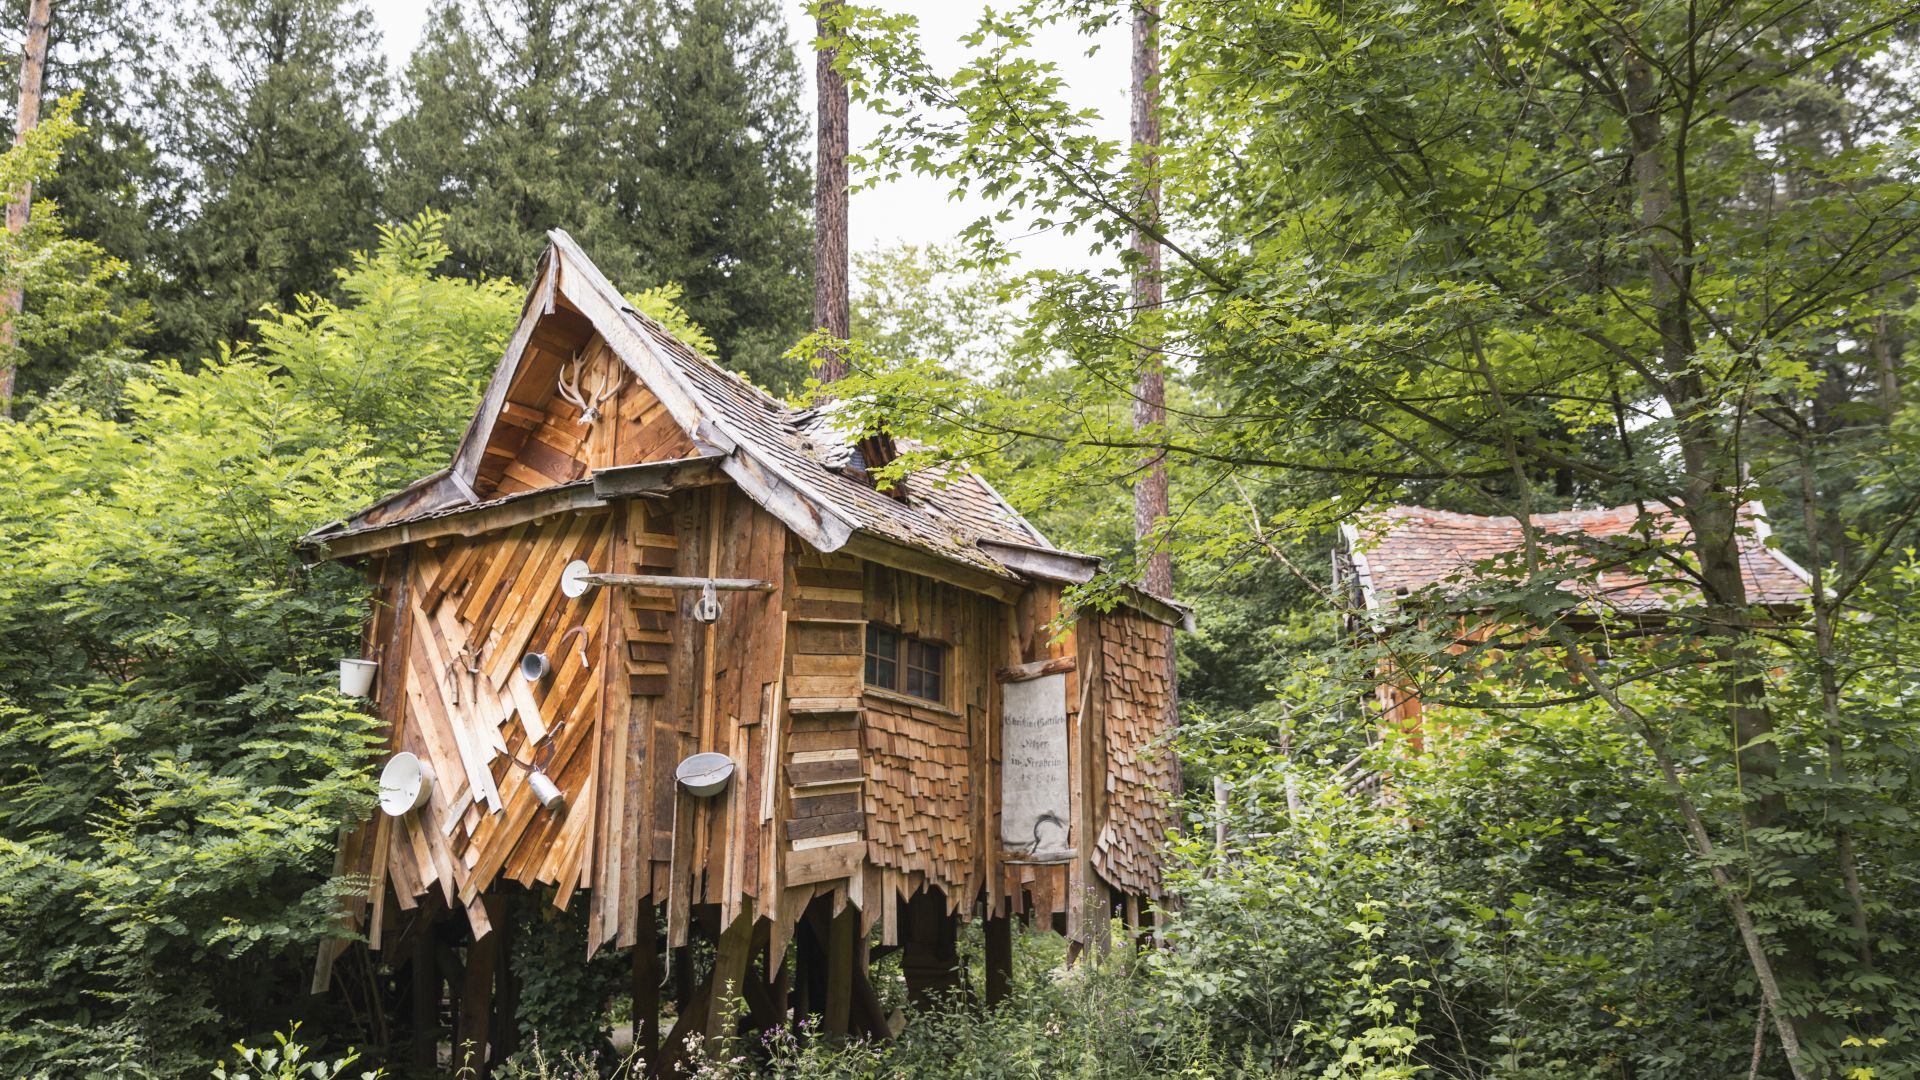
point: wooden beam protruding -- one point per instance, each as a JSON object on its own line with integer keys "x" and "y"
{"x": 1038, "y": 669}
{"x": 669, "y": 581}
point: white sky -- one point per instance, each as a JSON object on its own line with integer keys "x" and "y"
{"x": 911, "y": 209}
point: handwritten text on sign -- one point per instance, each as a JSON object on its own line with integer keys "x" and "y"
{"x": 1034, "y": 802}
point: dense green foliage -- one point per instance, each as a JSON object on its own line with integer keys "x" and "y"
{"x": 665, "y": 135}
{"x": 280, "y": 135}
{"x": 1504, "y": 261}
{"x": 78, "y": 320}
{"x": 174, "y": 767}
{"x": 232, "y": 156}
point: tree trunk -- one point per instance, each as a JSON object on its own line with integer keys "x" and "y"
{"x": 1150, "y": 391}
{"x": 1700, "y": 839}
{"x": 830, "y": 309}
{"x": 1826, "y": 664}
{"x": 33, "y": 69}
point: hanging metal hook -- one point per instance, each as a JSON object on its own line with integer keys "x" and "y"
{"x": 541, "y": 784}
{"x": 585, "y": 665}
{"x": 707, "y": 608}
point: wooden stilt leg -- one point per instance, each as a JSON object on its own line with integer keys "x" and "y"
{"x": 842, "y": 951}
{"x": 504, "y": 1036}
{"x": 778, "y": 972}
{"x": 426, "y": 996}
{"x": 931, "y": 957}
{"x": 683, "y": 994}
{"x": 646, "y": 988}
{"x": 476, "y": 1007}
{"x": 810, "y": 955}
{"x": 999, "y": 958}
{"x": 760, "y": 1014}
{"x": 867, "y": 1012}
{"x": 673, "y": 1051}
{"x": 730, "y": 958}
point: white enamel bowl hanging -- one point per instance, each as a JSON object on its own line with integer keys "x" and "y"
{"x": 405, "y": 784}
{"x": 704, "y": 774}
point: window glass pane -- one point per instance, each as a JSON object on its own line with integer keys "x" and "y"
{"x": 883, "y": 657}
{"x": 901, "y": 662}
{"x": 925, "y": 664}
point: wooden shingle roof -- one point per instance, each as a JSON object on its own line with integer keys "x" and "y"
{"x": 791, "y": 461}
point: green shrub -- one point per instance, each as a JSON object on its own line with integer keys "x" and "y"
{"x": 287, "y": 1060}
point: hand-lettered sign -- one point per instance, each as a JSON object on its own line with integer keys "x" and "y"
{"x": 1034, "y": 794}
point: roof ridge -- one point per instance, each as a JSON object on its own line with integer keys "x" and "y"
{"x": 658, "y": 330}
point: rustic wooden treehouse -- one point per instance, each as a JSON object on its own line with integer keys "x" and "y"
{"x": 1395, "y": 557}
{"x": 656, "y": 643}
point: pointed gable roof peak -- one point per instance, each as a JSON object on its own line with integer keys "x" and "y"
{"x": 787, "y": 460}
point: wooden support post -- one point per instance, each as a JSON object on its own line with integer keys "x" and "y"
{"x": 425, "y": 1056}
{"x": 867, "y": 1012}
{"x": 683, "y": 978}
{"x": 504, "y": 1035}
{"x": 810, "y": 954}
{"x": 731, "y": 954}
{"x": 646, "y": 988}
{"x": 998, "y": 931}
{"x": 842, "y": 951}
{"x": 931, "y": 954}
{"x": 760, "y": 1012}
{"x": 471, "y": 1042}
{"x": 778, "y": 971}
{"x": 673, "y": 1051}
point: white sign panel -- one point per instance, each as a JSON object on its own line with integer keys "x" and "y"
{"x": 1034, "y": 793}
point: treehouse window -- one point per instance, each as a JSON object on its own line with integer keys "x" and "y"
{"x": 905, "y": 664}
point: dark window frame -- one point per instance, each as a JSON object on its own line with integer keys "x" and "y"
{"x": 901, "y": 663}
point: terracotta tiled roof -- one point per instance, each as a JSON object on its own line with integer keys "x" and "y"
{"x": 1400, "y": 550}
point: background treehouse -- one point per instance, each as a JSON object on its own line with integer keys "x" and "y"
{"x": 1397, "y": 562}
{"x": 656, "y": 640}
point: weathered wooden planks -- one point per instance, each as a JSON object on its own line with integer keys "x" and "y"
{"x": 860, "y": 795}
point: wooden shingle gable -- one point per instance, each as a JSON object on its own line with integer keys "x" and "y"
{"x": 673, "y": 407}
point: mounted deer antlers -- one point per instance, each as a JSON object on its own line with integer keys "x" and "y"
{"x": 610, "y": 384}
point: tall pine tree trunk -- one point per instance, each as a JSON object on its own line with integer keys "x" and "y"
{"x": 830, "y": 200}
{"x": 1150, "y": 392}
{"x": 33, "y": 68}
